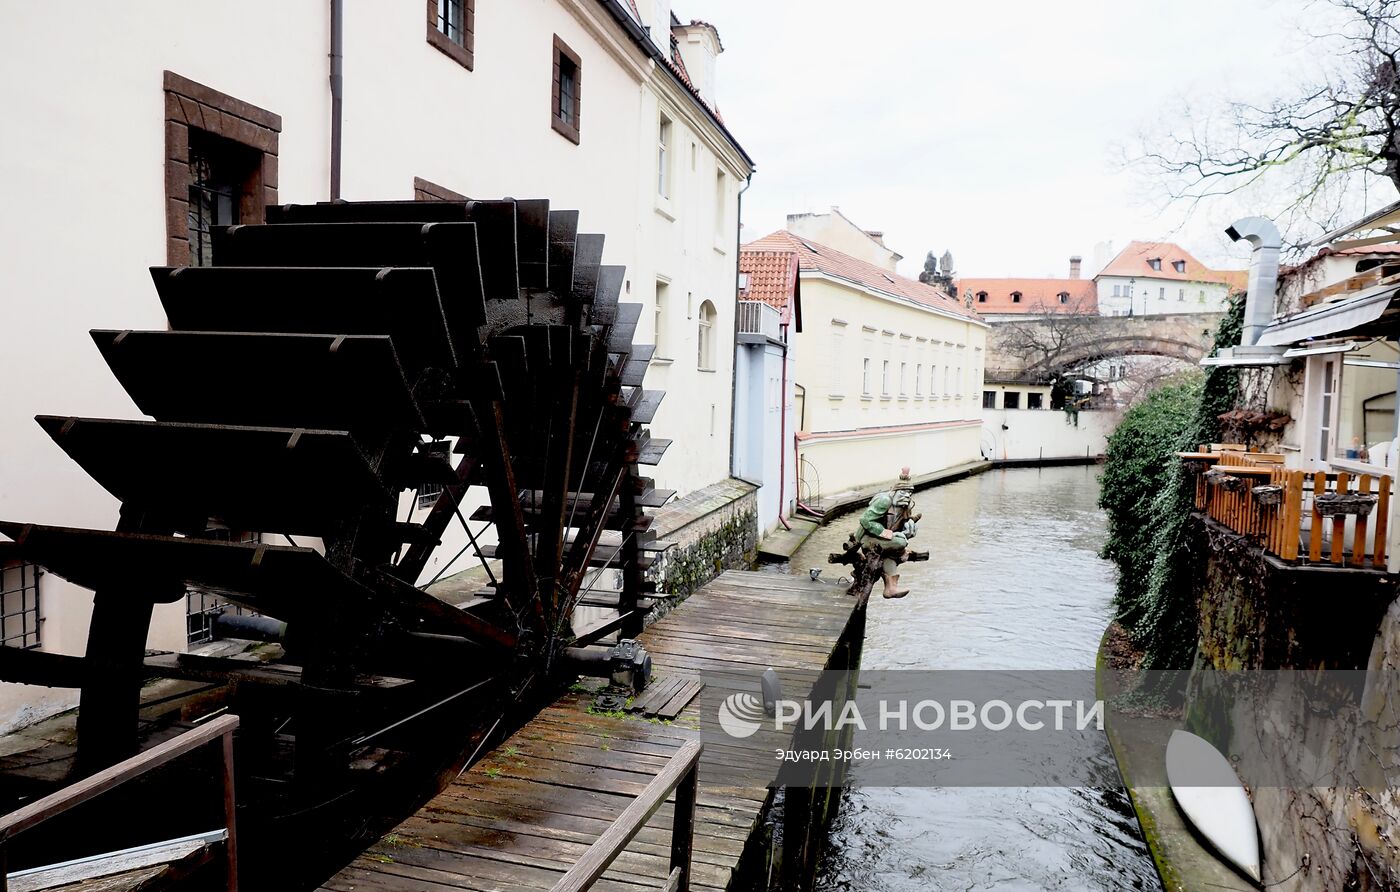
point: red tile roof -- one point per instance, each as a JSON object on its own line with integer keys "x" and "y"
{"x": 772, "y": 277}
{"x": 1133, "y": 261}
{"x": 1037, "y": 295}
{"x": 813, "y": 256}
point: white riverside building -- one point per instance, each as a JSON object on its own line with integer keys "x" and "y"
{"x": 110, "y": 138}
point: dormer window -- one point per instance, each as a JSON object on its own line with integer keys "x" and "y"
{"x": 1156, "y": 264}
{"x": 981, "y": 297}
{"x": 1179, "y": 265}
{"x": 1015, "y": 297}
{"x": 1064, "y": 297}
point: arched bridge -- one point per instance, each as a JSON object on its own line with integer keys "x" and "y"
{"x": 1054, "y": 342}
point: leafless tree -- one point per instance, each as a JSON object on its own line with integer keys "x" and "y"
{"x": 1047, "y": 339}
{"x": 1327, "y": 138}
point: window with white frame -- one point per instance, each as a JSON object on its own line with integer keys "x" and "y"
{"x": 903, "y": 380}
{"x": 865, "y": 376}
{"x": 721, "y": 192}
{"x": 19, "y": 605}
{"x": 662, "y": 320}
{"x": 885, "y": 378}
{"x": 663, "y": 157}
{"x": 1349, "y": 407}
{"x": 919, "y": 379}
{"x": 705, "y": 349}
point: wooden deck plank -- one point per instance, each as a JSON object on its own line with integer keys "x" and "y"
{"x": 524, "y": 814}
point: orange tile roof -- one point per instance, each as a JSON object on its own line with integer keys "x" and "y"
{"x": 1037, "y": 295}
{"x": 813, "y": 256}
{"x": 772, "y": 276}
{"x": 1133, "y": 261}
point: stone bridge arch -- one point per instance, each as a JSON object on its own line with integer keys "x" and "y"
{"x": 1184, "y": 336}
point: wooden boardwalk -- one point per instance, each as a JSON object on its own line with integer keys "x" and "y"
{"x": 526, "y": 812}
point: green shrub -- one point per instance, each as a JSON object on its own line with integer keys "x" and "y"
{"x": 1148, "y": 498}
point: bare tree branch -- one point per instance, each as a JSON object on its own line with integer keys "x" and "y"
{"x": 1324, "y": 140}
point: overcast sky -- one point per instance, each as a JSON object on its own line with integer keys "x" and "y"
{"x": 991, "y": 128}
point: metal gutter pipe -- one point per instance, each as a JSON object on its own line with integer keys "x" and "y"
{"x": 734, "y": 364}
{"x": 337, "y": 57}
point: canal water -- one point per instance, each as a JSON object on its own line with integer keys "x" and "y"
{"x": 1014, "y": 581}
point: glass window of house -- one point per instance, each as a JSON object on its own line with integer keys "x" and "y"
{"x": 662, "y": 349}
{"x": 663, "y": 158}
{"x": 566, "y": 98}
{"x": 220, "y": 173}
{"x": 1034, "y": 400}
{"x": 1361, "y": 426}
{"x": 989, "y": 399}
{"x": 705, "y": 350}
{"x": 1011, "y": 399}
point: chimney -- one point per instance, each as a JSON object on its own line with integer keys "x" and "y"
{"x": 1074, "y": 266}
{"x": 700, "y": 47}
{"x": 660, "y": 26}
{"x": 1263, "y": 274}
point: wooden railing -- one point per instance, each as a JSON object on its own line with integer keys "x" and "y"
{"x": 680, "y": 775}
{"x": 1255, "y": 496}
{"x": 35, "y": 813}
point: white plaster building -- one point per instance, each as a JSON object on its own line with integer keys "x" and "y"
{"x": 116, "y": 145}
{"x": 1157, "y": 278}
{"x": 888, "y": 372}
{"x": 838, "y": 231}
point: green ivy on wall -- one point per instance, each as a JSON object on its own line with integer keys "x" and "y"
{"x": 733, "y": 545}
{"x": 1148, "y": 498}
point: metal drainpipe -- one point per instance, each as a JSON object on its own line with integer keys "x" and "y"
{"x": 782, "y": 433}
{"x": 337, "y": 90}
{"x": 734, "y": 365}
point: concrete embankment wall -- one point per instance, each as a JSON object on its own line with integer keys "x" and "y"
{"x": 1030, "y": 435}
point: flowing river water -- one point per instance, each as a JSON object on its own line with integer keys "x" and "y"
{"x": 1014, "y": 581}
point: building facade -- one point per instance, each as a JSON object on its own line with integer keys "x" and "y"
{"x": 134, "y": 148}
{"x": 888, "y": 372}
{"x": 765, "y": 374}
{"x": 1009, "y": 299}
{"x": 1156, "y": 278}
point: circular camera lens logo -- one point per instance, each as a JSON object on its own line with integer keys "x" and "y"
{"x": 741, "y": 715}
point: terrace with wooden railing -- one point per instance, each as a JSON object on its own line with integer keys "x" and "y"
{"x": 1317, "y": 517}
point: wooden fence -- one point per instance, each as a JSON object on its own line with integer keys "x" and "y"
{"x": 1317, "y": 516}
{"x": 220, "y": 729}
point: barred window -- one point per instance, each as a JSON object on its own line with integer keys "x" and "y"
{"x": 221, "y": 171}
{"x": 452, "y": 29}
{"x": 19, "y": 605}
{"x": 428, "y": 494}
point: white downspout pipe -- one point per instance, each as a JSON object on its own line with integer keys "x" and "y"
{"x": 1263, "y": 274}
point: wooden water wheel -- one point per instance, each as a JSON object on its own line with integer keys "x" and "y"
{"x": 328, "y": 362}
